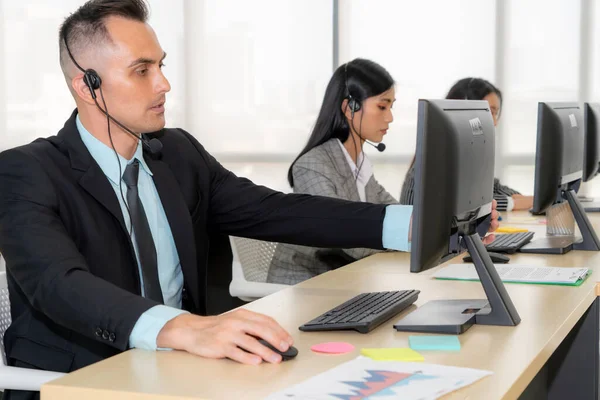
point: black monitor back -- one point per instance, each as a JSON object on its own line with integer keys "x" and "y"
{"x": 591, "y": 152}
{"x": 454, "y": 177}
{"x": 558, "y": 160}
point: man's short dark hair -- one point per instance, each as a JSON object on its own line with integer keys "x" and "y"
{"x": 86, "y": 26}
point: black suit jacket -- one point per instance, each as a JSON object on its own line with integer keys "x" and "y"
{"x": 72, "y": 274}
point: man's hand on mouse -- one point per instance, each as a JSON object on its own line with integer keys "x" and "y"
{"x": 494, "y": 224}
{"x": 231, "y": 335}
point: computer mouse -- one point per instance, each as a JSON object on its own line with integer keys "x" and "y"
{"x": 536, "y": 213}
{"x": 497, "y": 258}
{"x": 285, "y": 355}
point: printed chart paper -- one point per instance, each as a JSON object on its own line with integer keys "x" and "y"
{"x": 363, "y": 378}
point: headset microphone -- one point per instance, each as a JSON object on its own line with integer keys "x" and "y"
{"x": 379, "y": 146}
{"x": 154, "y": 146}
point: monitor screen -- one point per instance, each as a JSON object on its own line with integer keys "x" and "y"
{"x": 591, "y": 153}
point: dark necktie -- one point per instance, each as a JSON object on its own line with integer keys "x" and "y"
{"x": 143, "y": 235}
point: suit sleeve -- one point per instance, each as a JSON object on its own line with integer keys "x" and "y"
{"x": 239, "y": 207}
{"x": 44, "y": 262}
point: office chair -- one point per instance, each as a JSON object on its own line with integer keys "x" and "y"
{"x": 14, "y": 378}
{"x": 251, "y": 260}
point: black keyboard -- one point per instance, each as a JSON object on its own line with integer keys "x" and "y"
{"x": 509, "y": 242}
{"x": 364, "y": 312}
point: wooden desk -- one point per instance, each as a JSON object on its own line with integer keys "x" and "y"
{"x": 518, "y": 356}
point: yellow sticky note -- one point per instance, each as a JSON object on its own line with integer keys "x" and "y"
{"x": 508, "y": 229}
{"x": 523, "y": 220}
{"x": 392, "y": 354}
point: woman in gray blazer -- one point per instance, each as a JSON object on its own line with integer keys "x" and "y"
{"x": 357, "y": 108}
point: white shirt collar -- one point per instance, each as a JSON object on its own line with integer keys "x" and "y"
{"x": 105, "y": 156}
{"x": 365, "y": 172}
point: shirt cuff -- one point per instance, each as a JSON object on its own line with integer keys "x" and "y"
{"x": 147, "y": 327}
{"x": 510, "y": 203}
{"x": 396, "y": 225}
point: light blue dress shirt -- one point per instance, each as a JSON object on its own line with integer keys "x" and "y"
{"x": 150, "y": 323}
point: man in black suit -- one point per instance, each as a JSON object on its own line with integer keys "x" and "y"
{"x": 107, "y": 252}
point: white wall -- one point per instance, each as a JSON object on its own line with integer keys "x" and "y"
{"x": 248, "y": 77}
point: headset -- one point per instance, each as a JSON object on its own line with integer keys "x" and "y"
{"x": 93, "y": 82}
{"x": 352, "y": 103}
{"x": 468, "y": 90}
{"x": 355, "y": 106}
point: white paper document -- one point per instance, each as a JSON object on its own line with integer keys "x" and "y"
{"x": 364, "y": 378}
{"x": 517, "y": 273}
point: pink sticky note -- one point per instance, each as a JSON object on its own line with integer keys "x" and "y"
{"x": 333, "y": 348}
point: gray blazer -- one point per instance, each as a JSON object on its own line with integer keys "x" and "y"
{"x": 323, "y": 171}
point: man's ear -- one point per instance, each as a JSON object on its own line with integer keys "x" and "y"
{"x": 81, "y": 89}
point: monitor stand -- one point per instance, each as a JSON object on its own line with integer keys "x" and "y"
{"x": 456, "y": 316}
{"x": 561, "y": 244}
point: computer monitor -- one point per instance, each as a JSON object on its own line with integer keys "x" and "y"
{"x": 558, "y": 174}
{"x": 591, "y": 153}
{"x": 454, "y": 183}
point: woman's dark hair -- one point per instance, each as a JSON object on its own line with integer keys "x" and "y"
{"x": 473, "y": 89}
{"x": 361, "y": 79}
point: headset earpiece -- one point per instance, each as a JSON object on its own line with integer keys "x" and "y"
{"x": 92, "y": 81}
{"x": 353, "y": 105}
